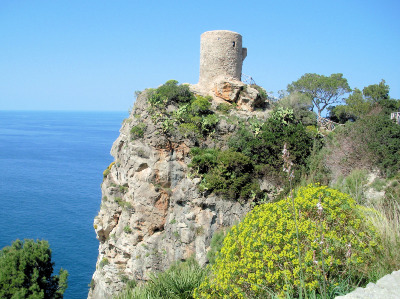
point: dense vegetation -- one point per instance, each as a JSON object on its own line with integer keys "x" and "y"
{"x": 26, "y": 271}
{"x": 259, "y": 256}
{"x": 316, "y": 241}
{"x": 190, "y": 116}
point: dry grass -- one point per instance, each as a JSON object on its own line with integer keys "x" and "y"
{"x": 387, "y": 223}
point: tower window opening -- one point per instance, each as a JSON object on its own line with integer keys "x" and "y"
{"x": 233, "y": 44}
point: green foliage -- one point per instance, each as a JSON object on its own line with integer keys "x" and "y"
{"x": 301, "y": 105}
{"x": 191, "y": 115}
{"x": 379, "y": 139}
{"x": 377, "y": 92}
{"x": 203, "y": 160}
{"x": 123, "y": 189}
{"x": 259, "y": 255}
{"x": 104, "y": 261}
{"x": 138, "y": 131}
{"x": 317, "y": 170}
{"x": 178, "y": 282}
{"x": 200, "y": 106}
{"x": 26, "y": 271}
{"x": 170, "y": 92}
{"x": 215, "y": 246}
{"x": 224, "y": 108}
{"x": 122, "y": 203}
{"x": 92, "y": 284}
{"x": 228, "y": 173}
{"x": 127, "y": 229}
{"x": 360, "y": 104}
{"x": 355, "y": 107}
{"x": 265, "y": 147}
{"x": 283, "y": 115}
{"x": 322, "y": 90}
{"x": 106, "y": 172}
{"x": 189, "y": 130}
{"x": 208, "y": 123}
{"x": 354, "y": 184}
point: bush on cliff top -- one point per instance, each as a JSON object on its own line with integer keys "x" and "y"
{"x": 190, "y": 114}
{"x": 259, "y": 255}
{"x": 170, "y": 92}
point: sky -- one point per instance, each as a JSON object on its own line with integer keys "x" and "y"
{"x": 94, "y": 55}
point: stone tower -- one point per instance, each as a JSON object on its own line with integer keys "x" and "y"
{"x": 221, "y": 55}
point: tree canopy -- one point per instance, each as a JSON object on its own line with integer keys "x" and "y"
{"x": 322, "y": 90}
{"x": 360, "y": 103}
{"x": 377, "y": 92}
{"x": 26, "y": 271}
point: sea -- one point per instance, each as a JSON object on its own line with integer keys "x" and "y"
{"x": 51, "y": 168}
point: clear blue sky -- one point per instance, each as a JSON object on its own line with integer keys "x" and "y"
{"x": 93, "y": 55}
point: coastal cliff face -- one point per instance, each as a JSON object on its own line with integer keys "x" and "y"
{"x": 152, "y": 212}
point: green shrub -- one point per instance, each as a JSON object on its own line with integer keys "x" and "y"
{"x": 373, "y": 141}
{"x": 301, "y": 105}
{"x": 179, "y": 281}
{"x": 106, "y": 172}
{"x": 170, "y": 92}
{"x": 228, "y": 173}
{"x": 191, "y": 114}
{"x": 208, "y": 123}
{"x": 92, "y": 284}
{"x": 122, "y": 203}
{"x": 265, "y": 147}
{"x": 189, "y": 130}
{"x": 200, "y": 105}
{"x": 103, "y": 262}
{"x": 224, "y": 108}
{"x": 203, "y": 160}
{"x": 127, "y": 229}
{"x": 381, "y": 137}
{"x": 138, "y": 131}
{"x": 259, "y": 256}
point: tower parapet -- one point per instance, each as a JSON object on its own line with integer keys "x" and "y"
{"x": 221, "y": 54}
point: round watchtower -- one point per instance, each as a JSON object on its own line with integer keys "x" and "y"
{"x": 221, "y": 54}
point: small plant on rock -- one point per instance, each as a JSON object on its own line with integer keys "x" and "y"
{"x": 138, "y": 131}
{"x": 127, "y": 229}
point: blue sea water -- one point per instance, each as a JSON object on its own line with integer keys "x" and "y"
{"x": 51, "y": 166}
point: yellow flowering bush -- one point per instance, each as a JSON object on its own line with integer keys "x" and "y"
{"x": 259, "y": 256}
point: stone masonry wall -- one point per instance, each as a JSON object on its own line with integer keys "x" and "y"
{"x": 221, "y": 54}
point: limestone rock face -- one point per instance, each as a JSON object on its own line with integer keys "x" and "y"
{"x": 228, "y": 89}
{"x": 232, "y": 91}
{"x": 152, "y": 213}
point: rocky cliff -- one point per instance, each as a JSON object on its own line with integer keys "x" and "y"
{"x": 152, "y": 212}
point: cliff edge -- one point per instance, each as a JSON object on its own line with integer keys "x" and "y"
{"x": 152, "y": 211}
